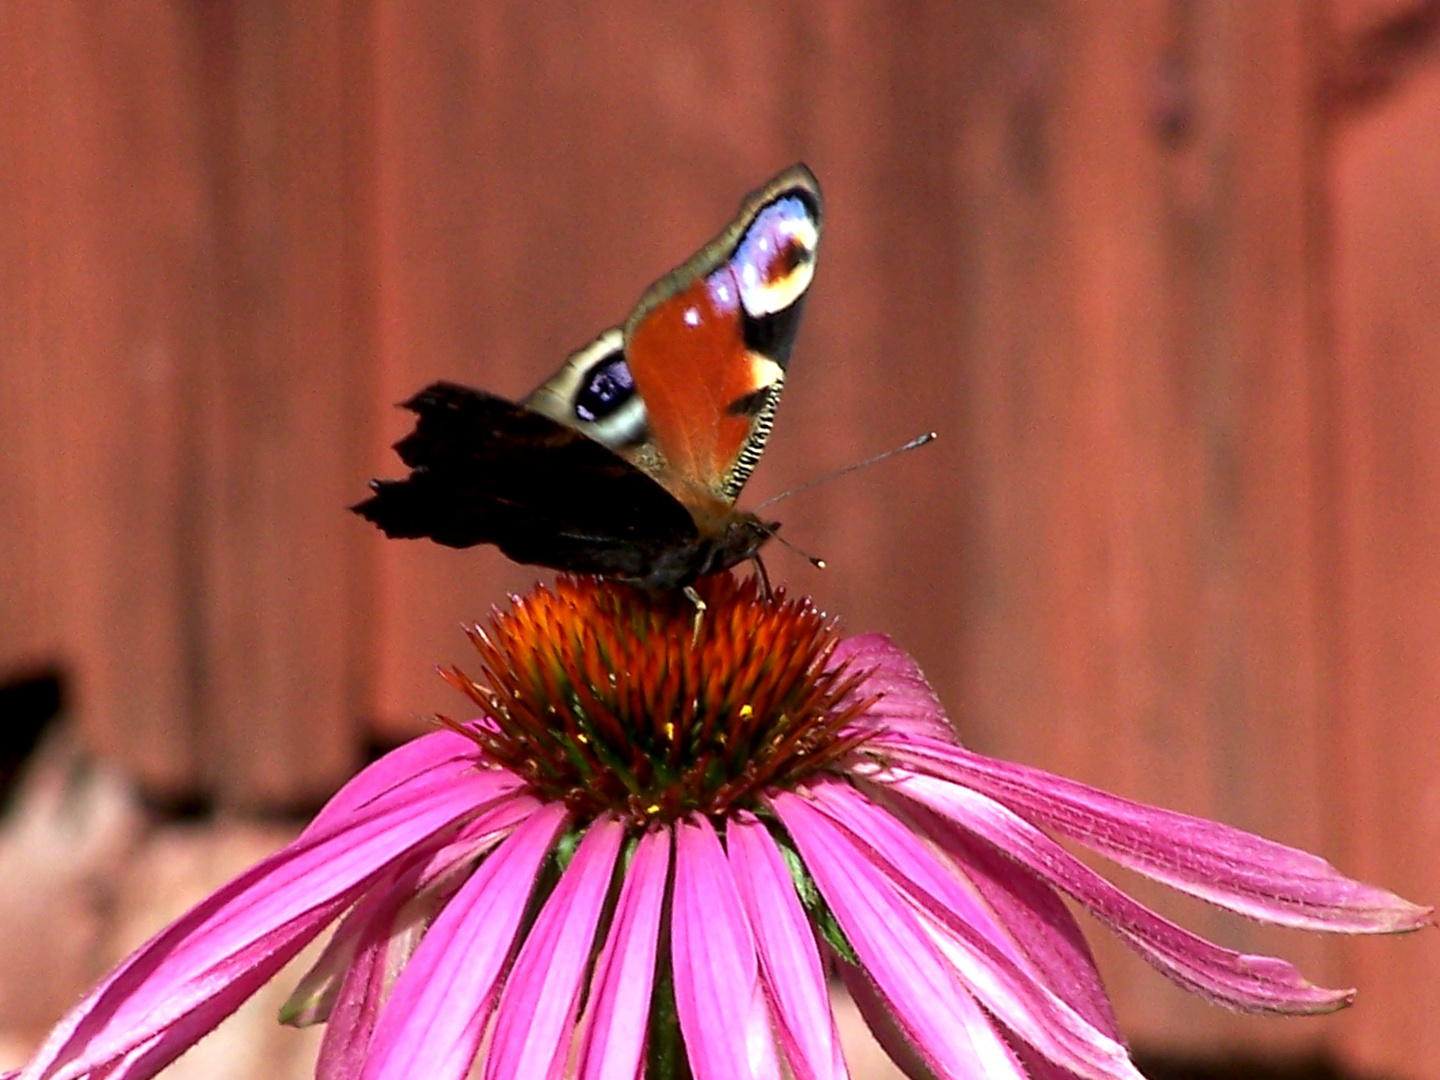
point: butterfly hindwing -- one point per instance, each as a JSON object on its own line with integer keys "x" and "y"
{"x": 486, "y": 470}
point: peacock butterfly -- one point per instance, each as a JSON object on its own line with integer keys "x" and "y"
{"x": 628, "y": 460}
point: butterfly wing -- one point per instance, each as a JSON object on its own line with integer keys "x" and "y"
{"x": 686, "y": 391}
{"x": 709, "y": 343}
{"x": 628, "y": 460}
{"x": 488, "y": 471}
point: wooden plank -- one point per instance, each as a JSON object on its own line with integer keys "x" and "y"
{"x": 282, "y": 442}
{"x": 1385, "y": 170}
{"x": 196, "y": 276}
{"x": 112, "y": 358}
{"x": 28, "y": 615}
{"x": 1140, "y": 598}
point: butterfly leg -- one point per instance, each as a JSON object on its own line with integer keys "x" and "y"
{"x": 694, "y": 598}
{"x": 764, "y": 577}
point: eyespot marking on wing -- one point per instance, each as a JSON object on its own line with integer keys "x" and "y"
{"x": 594, "y": 393}
{"x": 605, "y": 390}
{"x": 775, "y": 259}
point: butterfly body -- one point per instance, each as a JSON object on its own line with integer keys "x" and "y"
{"x": 627, "y": 462}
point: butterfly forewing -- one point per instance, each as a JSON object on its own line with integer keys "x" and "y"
{"x": 708, "y": 344}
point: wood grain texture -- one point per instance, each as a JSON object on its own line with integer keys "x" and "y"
{"x": 281, "y": 445}
{"x": 1385, "y": 170}
{"x": 29, "y": 631}
{"x": 107, "y": 350}
{"x": 183, "y": 369}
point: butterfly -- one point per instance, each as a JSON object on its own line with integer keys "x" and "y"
{"x": 627, "y": 462}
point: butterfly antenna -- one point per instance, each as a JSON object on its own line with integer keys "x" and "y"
{"x": 913, "y": 444}
{"x": 818, "y": 563}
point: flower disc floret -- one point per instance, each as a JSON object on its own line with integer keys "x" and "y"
{"x": 612, "y": 699}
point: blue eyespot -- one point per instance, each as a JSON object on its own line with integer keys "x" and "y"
{"x": 608, "y": 386}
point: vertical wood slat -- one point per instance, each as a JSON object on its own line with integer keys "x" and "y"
{"x": 1140, "y": 606}
{"x": 29, "y": 635}
{"x": 186, "y": 343}
{"x": 283, "y": 442}
{"x": 108, "y": 346}
{"x": 1385, "y": 172}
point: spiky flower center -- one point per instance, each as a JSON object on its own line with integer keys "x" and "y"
{"x": 614, "y": 699}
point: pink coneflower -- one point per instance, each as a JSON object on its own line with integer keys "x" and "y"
{"x": 661, "y": 836}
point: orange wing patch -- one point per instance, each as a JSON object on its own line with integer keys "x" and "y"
{"x": 708, "y": 345}
{"x": 690, "y": 359}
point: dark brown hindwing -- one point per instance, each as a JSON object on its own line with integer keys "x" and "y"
{"x": 488, "y": 471}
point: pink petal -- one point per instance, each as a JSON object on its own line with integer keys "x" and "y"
{"x": 148, "y": 1057}
{"x": 908, "y": 704}
{"x": 1032, "y": 913}
{"x": 351, "y": 1024}
{"x": 613, "y": 1045}
{"x": 1252, "y": 983}
{"x": 542, "y": 992}
{"x": 401, "y": 767}
{"x": 273, "y": 908}
{"x": 368, "y": 922}
{"x": 1225, "y": 866}
{"x": 393, "y": 925}
{"x": 789, "y": 959}
{"x": 942, "y": 1021}
{"x": 1008, "y": 991}
{"x": 393, "y": 915}
{"x": 880, "y": 1020}
{"x": 436, "y": 1015}
{"x": 717, "y": 992}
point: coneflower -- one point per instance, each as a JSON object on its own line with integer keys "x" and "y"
{"x": 656, "y": 843}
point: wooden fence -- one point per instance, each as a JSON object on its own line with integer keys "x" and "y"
{"x": 1162, "y": 274}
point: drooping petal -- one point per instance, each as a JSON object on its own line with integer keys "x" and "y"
{"x": 313, "y": 999}
{"x": 1223, "y": 865}
{"x": 907, "y": 703}
{"x": 1031, "y": 912}
{"x": 1008, "y": 991}
{"x": 789, "y": 958}
{"x": 436, "y": 1015}
{"x": 542, "y": 992}
{"x": 885, "y": 1029}
{"x": 613, "y": 1044}
{"x": 717, "y": 992}
{"x": 394, "y": 925}
{"x": 939, "y": 1019}
{"x": 1251, "y": 983}
{"x": 343, "y": 989}
{"x": 351, "y": 1023}
{"x": 274, "y": 908}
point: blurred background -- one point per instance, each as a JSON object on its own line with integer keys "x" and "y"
{"x": 1161, "y": 273}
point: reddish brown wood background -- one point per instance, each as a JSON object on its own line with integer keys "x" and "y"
{"x": 1163, "y": 273}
